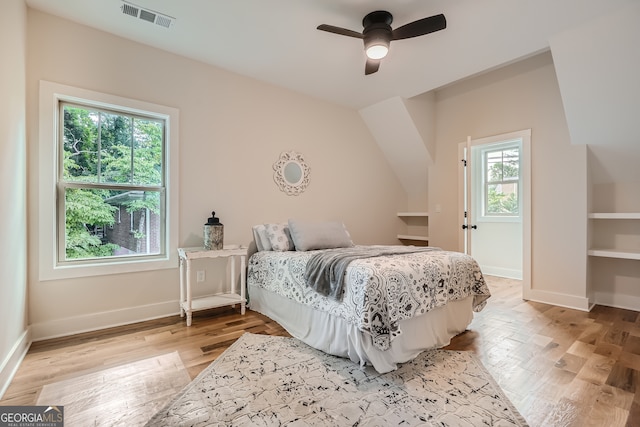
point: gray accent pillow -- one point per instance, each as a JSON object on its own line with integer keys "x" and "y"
{"x": 319, "y": 235}
{"x": 261, "y": 238}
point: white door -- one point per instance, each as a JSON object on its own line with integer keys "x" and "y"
{"x": 495, "y": 220}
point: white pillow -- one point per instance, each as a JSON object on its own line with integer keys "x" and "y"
{"x": 319, "y": 235}
{"x": 279, "y": 237}
{"x": 261, "y": 238}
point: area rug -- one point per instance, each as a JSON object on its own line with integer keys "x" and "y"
{"x": 267, "y": 381}
{"x": 126, "y": 395}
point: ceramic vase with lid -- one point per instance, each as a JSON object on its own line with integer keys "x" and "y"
{"x": 213, "y": 233}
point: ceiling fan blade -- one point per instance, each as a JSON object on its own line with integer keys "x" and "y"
{"x": 340, "y": 31}
{"x": 371, "y": 66}
{"x": 420, "y": 27}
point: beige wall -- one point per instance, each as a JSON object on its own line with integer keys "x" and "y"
{"x": 232, "y": 130}
{"x": 13, "y": 189}
{"x": 521, "y": 96}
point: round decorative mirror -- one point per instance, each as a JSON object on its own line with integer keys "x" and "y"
{"x": 291, "y": 173}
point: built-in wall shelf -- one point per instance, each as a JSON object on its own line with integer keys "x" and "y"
{"x": 615, "y": 252}
{"x": 416, "y": 227}
{"x": 614, "y": 215}
{"x": 415, "y": 237}
{"x": 413, "y": 214}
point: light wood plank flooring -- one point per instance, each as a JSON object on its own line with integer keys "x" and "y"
{"x": 560, "y": 367}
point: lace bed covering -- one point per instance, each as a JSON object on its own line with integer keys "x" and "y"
{"x": 380, "y": 291}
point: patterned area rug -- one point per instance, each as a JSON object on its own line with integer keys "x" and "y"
{"x": 266, "y": 380}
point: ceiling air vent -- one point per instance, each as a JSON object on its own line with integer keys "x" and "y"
{"x": 148, "y": 15}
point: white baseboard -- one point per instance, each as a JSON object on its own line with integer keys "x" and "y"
{"x": 509, "y": 273}
{"x": 103, "y": 320}
{"x": 12, "y": 362}
{"x": 626, "y": 302}
{"x": 554, "y": 298}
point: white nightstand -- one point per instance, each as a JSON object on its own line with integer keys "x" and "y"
{"x": 235, "y": 296}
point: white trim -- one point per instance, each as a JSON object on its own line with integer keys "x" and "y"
{"x": 462, "y": 182}
{"x": 525, "y": 172}
{"x": 561, "y": 300}
{"x": 509, "y": 273}
{"x": 50, "y": 95}
{"x": 12, "y": 362}
{"x": 479, "y": 183}
{"x": 610, "y": 299}
{"x": 103, "y": 320}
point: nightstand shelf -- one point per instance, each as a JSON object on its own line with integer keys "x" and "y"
{"x": 234, "y": 296}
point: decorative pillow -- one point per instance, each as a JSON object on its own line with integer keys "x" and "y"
{"x": 279, "y": 237}
{"x": 319, "y": 235}
{"x": 261, "y": 238}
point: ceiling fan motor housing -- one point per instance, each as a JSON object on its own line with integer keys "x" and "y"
{"x": 377, "y": 29}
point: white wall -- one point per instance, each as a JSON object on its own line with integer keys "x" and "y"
{"x": 520, "y": 96}
{"x": 232, "y": 130}
{"x": 13, "y": 189}
{"x": 598, "y": 63}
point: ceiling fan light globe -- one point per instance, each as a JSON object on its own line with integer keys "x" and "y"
{"x": 377, "y": 51}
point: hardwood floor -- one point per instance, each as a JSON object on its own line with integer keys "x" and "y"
{"x": 560, "y": 367}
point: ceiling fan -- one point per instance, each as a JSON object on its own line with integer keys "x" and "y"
{"x": 377, "y": 34}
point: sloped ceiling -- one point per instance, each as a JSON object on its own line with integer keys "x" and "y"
{"x": 276, "y": 41}
{"x": 594, "y": 43}
{"x": 598, "y": 69}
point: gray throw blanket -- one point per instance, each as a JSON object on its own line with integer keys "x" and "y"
{"x": 325, "y": 270}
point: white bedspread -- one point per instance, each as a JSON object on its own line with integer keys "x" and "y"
{"x": 381, "y": 291}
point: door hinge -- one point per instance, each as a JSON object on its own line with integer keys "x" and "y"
{"x": 464, "y": 162}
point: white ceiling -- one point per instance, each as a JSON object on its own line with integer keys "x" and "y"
{"x": 276, "y": 41}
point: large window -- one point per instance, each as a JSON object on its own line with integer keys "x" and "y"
{"x": 108, "y": 176}
{"x": 111, "y": 186}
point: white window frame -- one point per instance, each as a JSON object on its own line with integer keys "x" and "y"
{"x": 51, "y": 94}
{"x": 480, "y": 181}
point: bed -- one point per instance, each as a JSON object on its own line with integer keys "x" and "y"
{"x": 389, "y": 303}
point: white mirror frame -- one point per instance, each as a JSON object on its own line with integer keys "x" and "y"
{"x": 279, "y": 176}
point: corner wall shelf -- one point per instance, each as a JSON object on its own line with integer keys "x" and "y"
{"x": 409, "y": 237}
{"x": 633, "y": 254}
{"x": 412, "y": 214}
{"x": 614, "y": 253}
{"x": 614, "y": 215}
{"x": 415, "y": 222}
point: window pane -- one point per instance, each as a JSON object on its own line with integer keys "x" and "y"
{"x": 511, "y": 164}
{"x": 494, "y": 166}
{"x": 115, "y": 148}
{"x": 112, "y": 148}
{"x": 147, "y": 152}
{"x": 502, "y": 199}
{"x": 105, "y": 223}
{"x": 80, "y": 144}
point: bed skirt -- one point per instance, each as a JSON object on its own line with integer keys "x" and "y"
{"x": 334, "y": 335}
